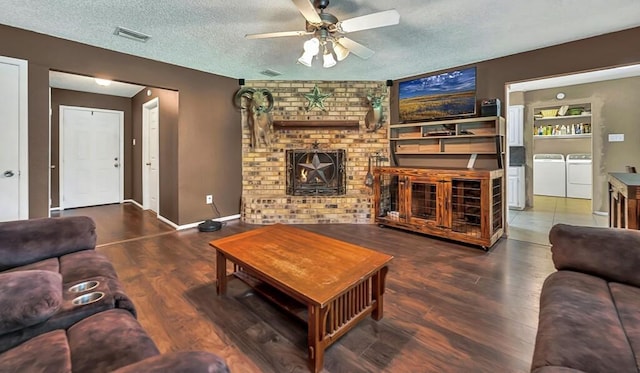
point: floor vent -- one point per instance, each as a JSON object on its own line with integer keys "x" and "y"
{"x": 130, "y": 34}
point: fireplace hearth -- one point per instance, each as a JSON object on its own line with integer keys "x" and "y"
{"x": 314, "y": 172}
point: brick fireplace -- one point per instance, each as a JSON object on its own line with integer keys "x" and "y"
{"x": 265, "y": 173}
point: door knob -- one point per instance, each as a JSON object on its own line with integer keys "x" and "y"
{"x": 148, "y": 163}
{"x": 8, "y": 173}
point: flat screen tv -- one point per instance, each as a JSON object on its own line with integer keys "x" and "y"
{"x": 445, "y": 95}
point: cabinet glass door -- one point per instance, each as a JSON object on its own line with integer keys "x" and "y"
{"x": 424, "y": 201}
{"x": 389, "y": 200}
{"x": 466, "y": 211}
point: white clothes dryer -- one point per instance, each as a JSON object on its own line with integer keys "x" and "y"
{"x": 549, "y": 175}
{"x": 579, "y": 176}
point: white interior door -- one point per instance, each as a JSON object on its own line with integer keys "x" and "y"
{"x": 150, "y": 149}
{"x": 91, "y": 151}
{"x": 14, "y": 183}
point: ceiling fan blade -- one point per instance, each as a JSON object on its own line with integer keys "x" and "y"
{"x": 373, "y": 20}
{"x": 356, "y": 48}
{"x": 308, "y": 11}
{"x": 277, "y": 34}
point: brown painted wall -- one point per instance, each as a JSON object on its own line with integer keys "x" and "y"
{"x": 88, "y": 100}
{"x": 206, "y": 141}
{"x": 607, "y": 50}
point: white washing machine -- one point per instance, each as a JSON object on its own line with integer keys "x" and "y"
{"x": 549, "y": 175}
{"x": 579, "y": 176}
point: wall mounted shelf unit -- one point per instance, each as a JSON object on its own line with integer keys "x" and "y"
{"x": 464, "y": 138}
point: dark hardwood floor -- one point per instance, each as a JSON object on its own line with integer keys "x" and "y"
{"x": 448, "y": 307}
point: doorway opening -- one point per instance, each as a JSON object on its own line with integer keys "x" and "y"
{"x": 150, "y": 155}
{"x": 14, "y": 167}
{"x": 566, "y": 115}
{"x": 92, "y": 157}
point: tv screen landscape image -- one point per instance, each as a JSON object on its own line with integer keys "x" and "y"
{"x": 445, "y": 95}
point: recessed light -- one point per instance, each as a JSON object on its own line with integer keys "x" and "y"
{"x": 103, "y": 82}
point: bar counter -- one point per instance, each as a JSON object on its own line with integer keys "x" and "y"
{"x": 624, "y": 200}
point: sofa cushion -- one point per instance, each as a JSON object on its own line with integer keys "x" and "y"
{"x": 579, "y": 326}
{"x": 84, "y": 265}
{"x": 627, "y": 300}
{"x": 27, "y": 241}
{"x": 28, "y": 298}
{"x": 107, "y": 341}
{"x": 47, "y": 352}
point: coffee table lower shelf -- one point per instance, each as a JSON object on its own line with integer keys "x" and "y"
{"x": 282, "y": 300}
{"x": 331, "y": 321}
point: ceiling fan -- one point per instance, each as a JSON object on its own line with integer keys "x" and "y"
{"x": 328, "y": 32}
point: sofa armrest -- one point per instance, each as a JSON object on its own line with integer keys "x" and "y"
{"x": 27, "y": 241}
{"x": 178, "y": 362}
{"x": 610, "y": 253}
{"x": 28, "y": 298}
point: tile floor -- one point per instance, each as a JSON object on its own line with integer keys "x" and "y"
{"x": 533, "y": 223}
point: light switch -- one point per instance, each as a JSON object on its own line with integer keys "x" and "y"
{"x": 616, "y": 137}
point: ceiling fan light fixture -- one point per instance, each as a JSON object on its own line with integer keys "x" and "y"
{"x": 311, "y": 49}
{"x": 327, "y": 59}
{"x": 306, "y": 59}
{"x": 340, "y": 51}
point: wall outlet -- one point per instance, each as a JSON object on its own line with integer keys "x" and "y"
{"x": 209, "y": 199}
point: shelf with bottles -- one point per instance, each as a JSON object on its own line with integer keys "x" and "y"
{"x": 562, "y": 130}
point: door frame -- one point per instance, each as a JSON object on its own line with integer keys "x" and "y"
{"x": 146, "y": 107}
{"x": 23, "y": 134}
{"x": 61, "y": 149}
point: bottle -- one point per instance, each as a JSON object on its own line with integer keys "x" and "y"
{"x": 563, "y": 130}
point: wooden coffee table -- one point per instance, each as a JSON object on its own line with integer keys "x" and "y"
{"x": 328, "y": 283}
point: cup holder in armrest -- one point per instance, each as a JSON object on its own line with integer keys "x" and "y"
{"x": 84, "y": 286}
{"x": 88, "y": 298}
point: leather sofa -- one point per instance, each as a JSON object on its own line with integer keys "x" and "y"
{"x": 62, "y": 307}
{"x": 589, "y": 317}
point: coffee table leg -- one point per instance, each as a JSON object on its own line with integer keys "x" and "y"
{"x": 316, "y": 350}
{"x": 378, "y": 293}
{"x": 221, "y": 274}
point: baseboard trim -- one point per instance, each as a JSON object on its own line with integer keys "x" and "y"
{"x": 185, "y": 226}
{"x": 223, "y": 218}
{"x": 133, "y": 202}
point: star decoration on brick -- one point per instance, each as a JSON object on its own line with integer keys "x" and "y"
{"x": 316, "y": 169}
{"x": 316, "y": 98}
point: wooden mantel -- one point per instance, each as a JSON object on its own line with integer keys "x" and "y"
{"x": 315, "y": 124}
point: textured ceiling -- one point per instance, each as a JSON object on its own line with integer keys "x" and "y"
{"x": 432, "y": 34}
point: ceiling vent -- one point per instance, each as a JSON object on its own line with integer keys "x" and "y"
{"x": 130, "y": 34}
{"x": 271, "y": 73}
